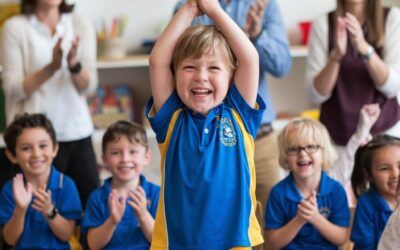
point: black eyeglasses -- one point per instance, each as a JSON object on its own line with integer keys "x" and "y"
{"x": 310, "y": 149}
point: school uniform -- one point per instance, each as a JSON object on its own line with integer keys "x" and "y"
{"x": 372, "y": 213}
{"x": 128, "y": 234}
{"x": 207, "y": 196}
{"x": 37, "y": 233}
{"x": 282, "y": 205}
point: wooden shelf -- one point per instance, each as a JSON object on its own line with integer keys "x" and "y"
{"x": 127, "y": 62}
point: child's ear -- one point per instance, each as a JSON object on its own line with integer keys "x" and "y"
{"x": 55, "y": 150}
{"x": 11, "y": 157}
{"x": 147, "y": 157}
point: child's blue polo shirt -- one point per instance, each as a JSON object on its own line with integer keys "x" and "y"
{"x": 372, "y": 213}
{"x": 282, "y": 208}
{"x": 207, "y": 198}
{"x": 128, "y": 234}
{"x": 37, "y": 233}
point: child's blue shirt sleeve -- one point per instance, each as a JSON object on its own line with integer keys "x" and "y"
{"x": 251, "y": 116}
{"x": 7, "y": 203}
{"x": 362, "y": 233}
{"x": 159, "y": 121}
{"x": 94, "y": 212}
{"x": 274, "y": 217}
{"x": 69, "y": 203}
{"x": 340, "y": 214}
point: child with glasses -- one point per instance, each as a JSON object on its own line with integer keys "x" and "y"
{"x": 374, "y": 181}
{"x": 307, "y": 209}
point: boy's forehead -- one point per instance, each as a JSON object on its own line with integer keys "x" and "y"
{"x": 33, "y": 133}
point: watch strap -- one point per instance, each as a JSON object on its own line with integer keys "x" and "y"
{"x": 76, "y": 69}
{"x": 367, "y": 56}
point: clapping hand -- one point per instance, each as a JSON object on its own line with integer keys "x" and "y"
{"x": 57, "y": 56}
{"x": 42, "y": 202}
{"x": 208, "y": 7}
{"x": 22, "y": 194}
{"x": 71, "y": 57}
{"x": 117, "y": 205}
{"x": 341, "y": 39}
{"x": 138, "y": 201}
{"x": 307, "y": 210}
{"x": 253, "y": 26}
{"x": 356, "y": 33}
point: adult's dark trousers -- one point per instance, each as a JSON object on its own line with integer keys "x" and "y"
{"x": 77, "y": 160}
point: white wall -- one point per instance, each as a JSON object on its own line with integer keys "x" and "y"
{"x": 146, "y": 17}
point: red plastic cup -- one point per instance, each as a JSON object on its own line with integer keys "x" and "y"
{"x": 304, "y": 31}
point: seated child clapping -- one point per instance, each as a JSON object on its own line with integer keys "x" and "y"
{"x": 109, "y": 222}
{"x": 39, "y": 207}
{"x": 374, "y": 180}
{"x": 307, "y": 209}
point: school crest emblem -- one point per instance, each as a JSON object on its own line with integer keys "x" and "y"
{"x": 227, "y": 133}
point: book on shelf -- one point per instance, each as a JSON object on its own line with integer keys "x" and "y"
{"x": 110, "y": 104}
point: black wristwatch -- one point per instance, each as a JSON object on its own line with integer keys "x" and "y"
{"x": 76, "y": 69}
{"x": 52, "y": 213}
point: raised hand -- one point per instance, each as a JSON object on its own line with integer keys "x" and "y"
{"x": 138, "y": 201}
{"x": 209, "y": 7}
{"x": 22, "y": 194}
{"x": 117, "y": 205}
{"x": 253, "y": 26}
{"x": 369, "y": 114}
{"x": 307, "y": 210}
{"x": 71, "y": 57}
{"x": 42, "y": 202}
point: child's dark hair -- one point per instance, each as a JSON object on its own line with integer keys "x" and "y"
{"x": 363, "y": 162}
{"x": 133, "y": 131}
{"x": 24, "y": 121}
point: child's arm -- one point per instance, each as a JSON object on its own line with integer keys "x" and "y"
{"x": 139, "y": 205}
{"x": 161, "y": 77}
{"x": 12, "y": 231}
{"x": 308, "y": 209}
{"x": 279, "y": 238}
{"x": 61, "y": 227}
{"x": 99, "y": 237}
{"x": 247, "y": 71}
{"x": 369, "y": 114}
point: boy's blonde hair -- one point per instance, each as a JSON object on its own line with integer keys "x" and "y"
{"x": 311, "y": 130}
{"x": 200, "y": 39}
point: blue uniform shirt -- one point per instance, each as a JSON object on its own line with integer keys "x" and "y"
{"x": 271, "y": 44}
{"x": 282, "y": 207}
{"x": 207, "y": 196}
{"x": 128, "y": 234}
{"x": 37, "y": 233}
{"x": 372, "y": 213}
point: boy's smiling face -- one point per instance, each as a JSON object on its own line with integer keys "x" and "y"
{"x": 203, "y": 83}
{"x": 125, "y": 159}
{"x": 34, "y": 152}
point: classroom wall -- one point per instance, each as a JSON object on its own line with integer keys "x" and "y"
{"x": 147, "y": 17}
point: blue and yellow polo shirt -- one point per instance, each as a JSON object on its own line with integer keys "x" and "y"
{"x": 370, "y": 218}
{"x": 128, "y": 234}
{"x": 207, "y": 198}
{"x": 282, "y": 208}
{"x": 37, "y": 233}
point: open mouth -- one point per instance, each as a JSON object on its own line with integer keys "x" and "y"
{"x": 201, "y": 92}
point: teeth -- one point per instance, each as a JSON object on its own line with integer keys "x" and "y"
{"x": 201, "y": 91}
